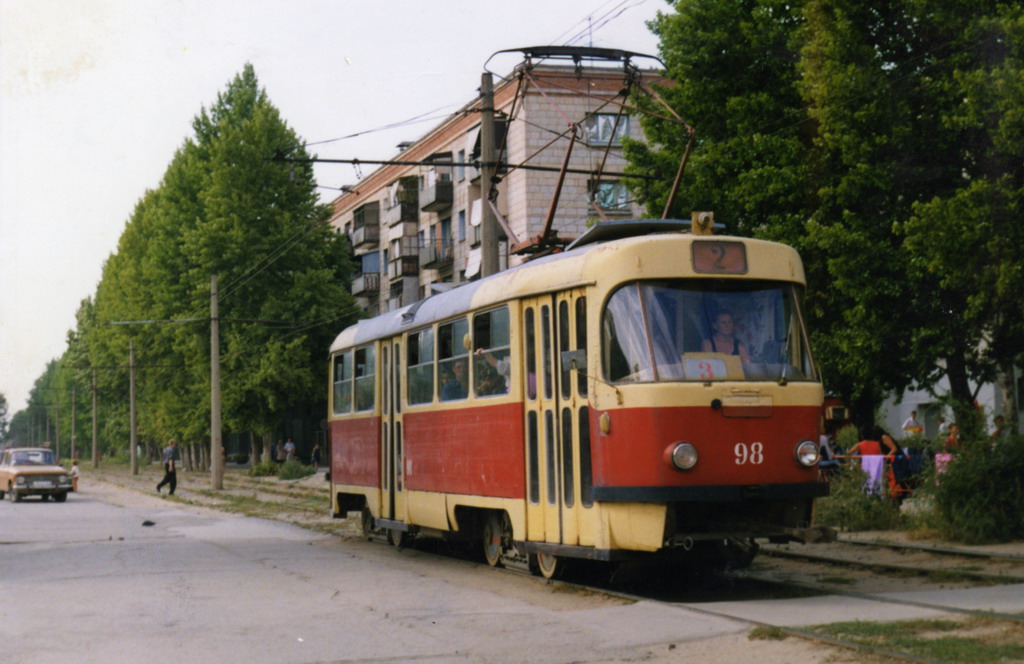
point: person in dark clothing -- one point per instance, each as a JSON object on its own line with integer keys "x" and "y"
{"x": 724, "y": 339}
{"x": 170, "y": 468}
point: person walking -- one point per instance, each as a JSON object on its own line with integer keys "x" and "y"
{"x": 170, "y": 468}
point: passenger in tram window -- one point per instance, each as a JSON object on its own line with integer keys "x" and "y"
{"x": 724, "y": 340}
{"x": 495, "y": 378}
{"x": 455, "y": 386}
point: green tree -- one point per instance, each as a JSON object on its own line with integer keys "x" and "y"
{"x": 3, "y": 417}
{"x": 920, "y": 184}
{"x": 856, "y": 132}
{"x": 222, "y": 208}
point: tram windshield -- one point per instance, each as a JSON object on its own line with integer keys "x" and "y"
{"x": 705, "y": 330}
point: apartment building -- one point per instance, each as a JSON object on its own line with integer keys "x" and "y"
{"x": 415, "y": 226}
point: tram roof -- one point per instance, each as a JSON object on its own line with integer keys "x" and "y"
{"x": 551, "y": 273}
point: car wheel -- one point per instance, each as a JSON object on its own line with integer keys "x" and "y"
{"x": 15, "y": 497}
{"x": 60, "y": 497}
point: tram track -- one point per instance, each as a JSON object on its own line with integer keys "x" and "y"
{"x": 684, "y": 600}
{"x": 902, "y": 560}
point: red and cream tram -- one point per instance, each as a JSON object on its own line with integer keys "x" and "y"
{"x": 647, "y": 391}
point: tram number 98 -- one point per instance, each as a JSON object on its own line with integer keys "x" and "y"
{"x": 752, "y": 454}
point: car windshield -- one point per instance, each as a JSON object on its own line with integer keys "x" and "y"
{"x": 705, "y": 330}
{"x": 32, "y": 458}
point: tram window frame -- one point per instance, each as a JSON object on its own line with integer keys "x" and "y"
{"x": 492, "y": 341}
{"x": 586, "y": 469}
{"x": 342, "y": 376}
{"x": 450, "y": 352}
{"x": 568, "y": 470}
{"x": 581, "y": 342}
{"x": 533, "y": 458}
{"x": 419, "y": 355}
{"x": 565, "y": 379}
{"x": 365, "y": 378}
{"x": 529, "y": 318}
{"x": 545, "y": 334}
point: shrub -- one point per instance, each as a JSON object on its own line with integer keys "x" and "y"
{"x": 847, "y": 437}
{"x": 849, "y": 508}
{"x": 981, "y": 495}
{"x": 295, "y": 470}
{"x": 263, "y": 469}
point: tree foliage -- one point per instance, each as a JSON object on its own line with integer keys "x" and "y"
{"x": 222, "y": 208}
{"x": 884, "y": 141}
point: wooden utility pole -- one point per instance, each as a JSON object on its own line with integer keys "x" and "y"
{"x": 56, "y": 428}
{"x": 133, "y": 454}
{"x": 488, "y": 169}
{"x": 95, "y": 424}
{"x": 216, "y": 455}
{"x": 73, "y": 427}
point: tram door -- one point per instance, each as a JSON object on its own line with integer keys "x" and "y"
{"x": 392, "y": 478}
{"x": 550, "y": 327}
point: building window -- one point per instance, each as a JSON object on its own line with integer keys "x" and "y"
{"x": 462, "y": 225}
{"x": 610, "y": 196}
{"x": 460, "y": 170}
{"x": 606, "y": 128}
{"x": 369, "y": 263}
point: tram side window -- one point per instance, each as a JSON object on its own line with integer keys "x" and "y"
{"x": 343, "y": 383}
{"x": 452, "y": 360}
{"x": 492, "y": 367}
{"x": 365, "y": 371}
{"x": 420, "y": 354}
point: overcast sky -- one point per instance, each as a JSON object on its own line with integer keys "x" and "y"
{"x": 98, "y": 94}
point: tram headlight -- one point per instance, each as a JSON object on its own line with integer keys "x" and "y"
{"x": 807, "y": 453}
{"x": 682, "y": 455}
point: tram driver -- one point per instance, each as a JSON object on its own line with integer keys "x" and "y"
{"x": 724, "y": 339}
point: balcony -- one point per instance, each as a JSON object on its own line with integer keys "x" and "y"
{"x": 366, "y": 283}
{"x": 365, "y": 236}
{"x": 406, "y": 266}
{"x": 436, "y": 254}
{"x": 400, "y": 213}
{"x": 437, "y": 196}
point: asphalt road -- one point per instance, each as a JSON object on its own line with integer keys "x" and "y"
{"x": 90, "y": 581}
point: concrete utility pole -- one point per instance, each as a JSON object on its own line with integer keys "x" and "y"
{"x": 216, "y": 456}
{"x": 488, "y": 169}
{"x": 133, "y": 454}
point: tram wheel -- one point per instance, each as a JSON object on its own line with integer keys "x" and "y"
{"x": 493, "y": 536}
{"x": 398, "y": 538}
{"x": 546, "y": 565}
{"x": 366, "y": 522}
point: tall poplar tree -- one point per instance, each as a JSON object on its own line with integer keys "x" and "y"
{"x": 224, "y": 208}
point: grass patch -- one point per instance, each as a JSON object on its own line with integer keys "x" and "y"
{"x": 767, "y": 634}
{"x": 976, "y": 640}
{"x": 837, "y": 580}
